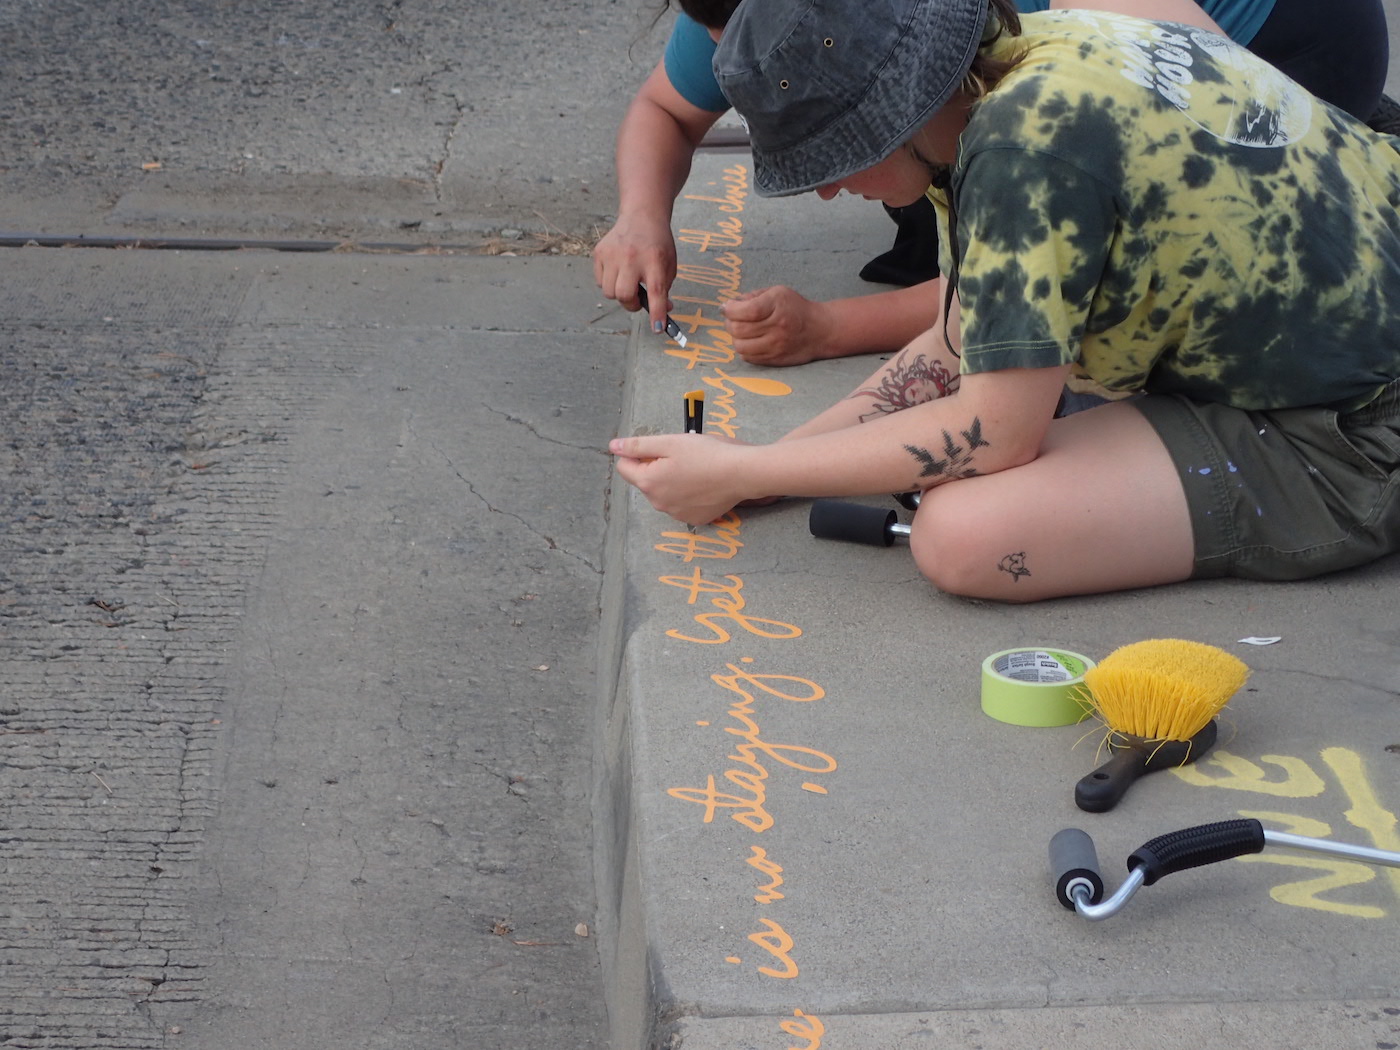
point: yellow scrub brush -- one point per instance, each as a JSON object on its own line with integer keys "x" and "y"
{"x": 1159, "y": 699}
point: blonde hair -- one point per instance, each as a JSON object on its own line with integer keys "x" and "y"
{"x": 986, "y": 72}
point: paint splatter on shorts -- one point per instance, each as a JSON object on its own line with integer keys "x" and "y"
{"x": 1288, "y": 494}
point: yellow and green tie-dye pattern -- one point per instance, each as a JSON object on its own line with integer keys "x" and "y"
{"x": 1161, "y": 207}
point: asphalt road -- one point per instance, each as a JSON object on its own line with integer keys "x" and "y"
{"x": 300, "y": 553}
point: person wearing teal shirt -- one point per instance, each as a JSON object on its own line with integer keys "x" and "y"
{"x": 680, "y": 102}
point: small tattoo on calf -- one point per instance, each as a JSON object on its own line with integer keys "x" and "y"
{"x": 957, "y": 458}
{"x": 907, "y": 383}
{"x": 1015, "y": 564}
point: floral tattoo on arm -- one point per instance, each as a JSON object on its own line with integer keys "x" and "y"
{"x": 909, "y": 381}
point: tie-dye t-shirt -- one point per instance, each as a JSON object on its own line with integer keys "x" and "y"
{"x": 1174, "y": 215}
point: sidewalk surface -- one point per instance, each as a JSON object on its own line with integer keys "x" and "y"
{"x": 827, "y": 842}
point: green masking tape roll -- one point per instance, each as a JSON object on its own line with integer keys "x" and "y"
{"x": 1036, "y": 686}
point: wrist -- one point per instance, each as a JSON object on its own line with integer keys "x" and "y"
{"x": 880, "y": 322}
{"x": 767, "y": 471}
{"x": 643, "y": 210}
{"x": 831, "y": 333}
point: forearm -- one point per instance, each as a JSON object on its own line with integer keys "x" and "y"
{"x": 654, "y": 149}
{"x": 883, "y": 321}
{"x": 929, "y": 444}
{"x": 924, "y": 370}
{"x": 997, "y": 422}
{"x": 653, "y": 160}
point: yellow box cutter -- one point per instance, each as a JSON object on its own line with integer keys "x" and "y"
{"x": 694, "y": 411}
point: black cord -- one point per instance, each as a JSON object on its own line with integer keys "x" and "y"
{"x": 941, "y": 178}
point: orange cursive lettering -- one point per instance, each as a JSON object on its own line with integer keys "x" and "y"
{"x": 730, "y": 605}
{"x": 776, "y": 942}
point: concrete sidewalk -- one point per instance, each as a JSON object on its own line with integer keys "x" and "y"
{"x": 816, "y": 838}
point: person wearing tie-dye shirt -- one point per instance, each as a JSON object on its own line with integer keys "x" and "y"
{"x": 1138, "y": 203}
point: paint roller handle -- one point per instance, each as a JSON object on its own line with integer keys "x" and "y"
{"x": 1194, "y": 847}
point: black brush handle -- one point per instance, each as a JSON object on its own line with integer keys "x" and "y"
{"x": 1193, "y": 847}
{"x": 1099, "y": 791}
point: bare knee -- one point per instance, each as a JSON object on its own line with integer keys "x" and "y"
{"x": 957, "y": 545}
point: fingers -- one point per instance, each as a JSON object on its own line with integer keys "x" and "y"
{"x": 632, "y": 452}
{"x": 772, "y": 352}
{"x": 777, "y": 326}
{"x": 632, "y": 255}
{"x": 770, "y": 327}
{"x": 688, "y": 476}
{"x": 750, "y": 308}
{"x": 647, "y": 292}
{"x": 658, "y": 286}
{"x": 645, "y": 447}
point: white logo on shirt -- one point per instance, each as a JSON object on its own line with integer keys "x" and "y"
{"x": 1268, "y": 110}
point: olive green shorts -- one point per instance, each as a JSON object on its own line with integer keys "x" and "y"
{"x": 1287, "y": 494}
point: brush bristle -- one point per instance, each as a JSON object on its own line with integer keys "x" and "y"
{"x": 1163, "y": 689}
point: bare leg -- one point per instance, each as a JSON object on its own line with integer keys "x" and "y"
{"x": 1100, "y": 509}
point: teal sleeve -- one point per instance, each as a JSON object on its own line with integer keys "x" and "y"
{"x": 1240, "y": 20}
{"x": 689, "y": 54}
{"x": 1028, "y": 6}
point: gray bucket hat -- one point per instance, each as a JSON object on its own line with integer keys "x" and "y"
{"x": 831, "y": 87}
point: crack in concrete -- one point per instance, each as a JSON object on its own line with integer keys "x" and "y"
{"x": 549, "y": 541}
{"x": 1334, "y": 679}
{"x": 449, "y": 138}
{"x": 535, "y": 433}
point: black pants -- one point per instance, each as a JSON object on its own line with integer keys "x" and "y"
{"x": 1339, "y": 50}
